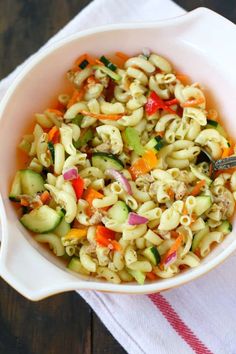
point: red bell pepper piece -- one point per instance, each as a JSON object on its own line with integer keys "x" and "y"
{"x": 105, "y": 232}
{"x": 171, "y": 102}
{"x": 154, "y": 103}
{"x": 78, "y": 185}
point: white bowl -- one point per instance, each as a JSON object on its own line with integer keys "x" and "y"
{"x": 200, "y": 44}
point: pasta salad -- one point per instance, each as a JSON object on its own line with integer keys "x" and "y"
{"x": 117, "y": 182}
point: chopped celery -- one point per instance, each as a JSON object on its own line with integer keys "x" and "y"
{"x": 84, "y": 139}
{"x": 132, "y": 139}
{"x": 78, "y": 119}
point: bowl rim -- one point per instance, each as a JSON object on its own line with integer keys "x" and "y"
{"x": 83, "y": 284}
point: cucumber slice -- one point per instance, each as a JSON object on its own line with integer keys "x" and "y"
{"x": 226, "y": 227}
{"x": 16, "y": 187}
{"x": 104, "y": 161}
{"x": 203, "y": 203}
{"x": 155, "y": 144}
{"x": 132, "y": 139}
{"x": 108, "y": 63}
{"x": 76, "y": 266}
{"x": 31, "y": 182}
{"x": 62, "y": 229}
{"x": 212, "y": 124}
{"x": 119, "y": 211}
{"x": 109, "y": 72}
{"x": 200, "y": 175}
{"x": 83, "y": 64}
{"x": 42, "y": 220}
{"x": 152, "y": 254}
{"x": 198, "y": 237}
{"x": 54, "y": 242}
{"x": 138, "y": 276}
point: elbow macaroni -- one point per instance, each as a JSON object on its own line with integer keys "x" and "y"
{"x": 148, "y": 129}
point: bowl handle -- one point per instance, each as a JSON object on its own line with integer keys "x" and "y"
{"x": 25, "y": 269}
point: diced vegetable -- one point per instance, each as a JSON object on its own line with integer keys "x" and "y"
{"x": 90, "y": 194}
{"x": 138, "y": 276}
{"x": 16, "y": 187}
{"x": 105, "y": 232}
{"x": 62, "y": 229}
{"x": 154, "y": 103}
{"x": 135, "y": 219}
{"x": 42, "y": 220}
{"x": 78, "y": 119}
{"x": 212, "y": 124}
{"x": 152, "y": 254}
{"x": 156, "y": 143}
{"x": 106, "y": 238}
{"x": 227, "y": 151}
{"x": 84, "y": 139}
{"x": 105, "y": 161}
{"x": 76, "y": 234}
{"x": 25, "y": 145}
{"x": 108, "y": 71}
{"x": 108, "y": 63}
{"x": 120, "y": 178}
{"x": 54, "y": 135}
{"x": 226, "y": 227}
{"x": 172, "y": 102}
{"x": 70, "y": 174}
{"x": 76, "y": 266}
{"x": 78, "y": 185}
{"x": 52, "y": 150}
{"x": 171, "y": 259}
{"x": 119, "y": 211}
{"x": 144, "y": 164}
{"x": 203, "y": 203}
{"x": 54, "y": 242}
{"x": 198, "y": 237}
{"x": 83, "y": 64}
{"x": 132, "y": 139}
{"x": 31, "y": 182}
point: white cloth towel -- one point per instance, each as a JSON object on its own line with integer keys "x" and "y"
{"x": 199, "y": 317}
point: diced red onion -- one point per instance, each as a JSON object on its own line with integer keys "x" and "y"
{"x": 170, "y": 259}
{"x": 135, "y": 219}
{"x": 146, "y": 51}
{"x": 120, "y": 178}
{"x": 70, "y": 174}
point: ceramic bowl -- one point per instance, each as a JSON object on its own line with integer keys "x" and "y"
{"x": 200, "y": 44}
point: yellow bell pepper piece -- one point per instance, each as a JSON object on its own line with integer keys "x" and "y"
{"x": 76, "y": 234}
